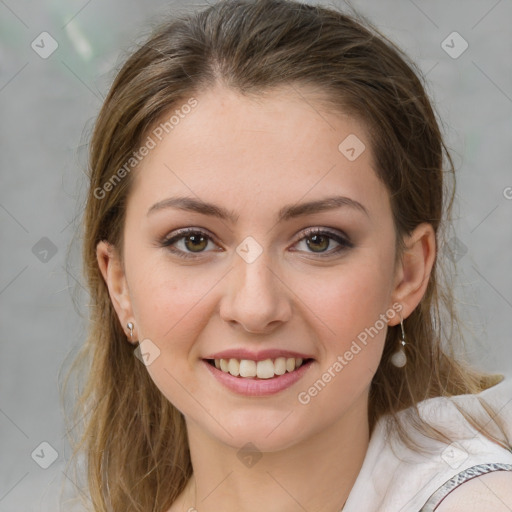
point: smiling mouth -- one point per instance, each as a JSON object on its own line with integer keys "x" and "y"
{"x": 266, "y": 369}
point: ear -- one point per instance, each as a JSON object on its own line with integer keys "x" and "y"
{"x": 413, "y": 271}
{"x": 113, "y": 273}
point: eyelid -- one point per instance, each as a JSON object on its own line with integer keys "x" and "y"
{"x": 340, "y": 237}
{"x": 335, "y": 234}
{"x": 179, "y": 234}
{"x": 183, "y": 232}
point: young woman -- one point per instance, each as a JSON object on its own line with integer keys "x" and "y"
{"x": 270, "y": 328}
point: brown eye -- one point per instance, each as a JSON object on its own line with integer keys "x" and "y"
{"x": 194, "y": 242}
{"x": 318, "y": 240}
{"x": 318, "y": 243}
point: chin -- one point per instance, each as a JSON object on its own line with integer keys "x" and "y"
{"x": 268, "y": 431}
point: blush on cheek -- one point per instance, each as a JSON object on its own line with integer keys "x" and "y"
{"x": 163, "y": 307}
{"x": 361, "y": 332}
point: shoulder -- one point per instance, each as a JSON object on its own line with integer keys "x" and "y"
{"x": 491, "y": 492}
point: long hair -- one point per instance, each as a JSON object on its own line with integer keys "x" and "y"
{"x": 134, "y": 442}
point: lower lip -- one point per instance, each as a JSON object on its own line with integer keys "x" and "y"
{"x": 258, "y": 387}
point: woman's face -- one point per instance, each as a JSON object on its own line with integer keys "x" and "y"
{"x": 258, "y": 281}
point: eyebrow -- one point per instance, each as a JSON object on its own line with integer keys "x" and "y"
{"x": 286, "y": 213}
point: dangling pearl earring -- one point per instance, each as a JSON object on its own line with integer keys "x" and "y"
{"x": 399, "y": 358}
{"x": 130, "y": 326}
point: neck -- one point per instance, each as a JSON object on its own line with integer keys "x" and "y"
{"x": 316, "y": 474}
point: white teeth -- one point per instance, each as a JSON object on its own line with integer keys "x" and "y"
{"x": 234, "y": 367}
{"x": 280, "y": 366}
{"x": 247, "y": 368}
{"x": 261, "y": 369}
{"x": 265, "y": 369}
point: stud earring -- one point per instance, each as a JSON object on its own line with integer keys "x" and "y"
{"x": 130, "y": 326}
{"x": 399, "y": 358}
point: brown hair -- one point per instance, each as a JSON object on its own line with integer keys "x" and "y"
{"x": 134, "y": 440}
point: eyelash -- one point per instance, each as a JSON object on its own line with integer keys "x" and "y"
{"x": 183, "y": 233}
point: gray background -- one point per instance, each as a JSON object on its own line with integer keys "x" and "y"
{"x": 47, "y": 109}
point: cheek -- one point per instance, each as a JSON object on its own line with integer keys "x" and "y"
{"x": 171, "y": 310}
{"x": 168, "y": 301}
{"x": 352, "y": 309}
{"x": 349, "y": 299}
{"x": 353, "y": 315}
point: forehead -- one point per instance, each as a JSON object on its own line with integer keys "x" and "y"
{"x": 247, "y": 150}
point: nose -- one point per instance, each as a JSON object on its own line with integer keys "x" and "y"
{"x": 256, "y": 297}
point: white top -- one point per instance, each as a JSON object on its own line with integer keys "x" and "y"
{"x": 394, "y": 478}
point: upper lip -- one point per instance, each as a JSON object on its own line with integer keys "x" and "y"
{"x": 242, "y": 353}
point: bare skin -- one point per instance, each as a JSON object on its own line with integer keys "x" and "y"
{"x": 254, "y": 157}
{"x": 487, "y": 493}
